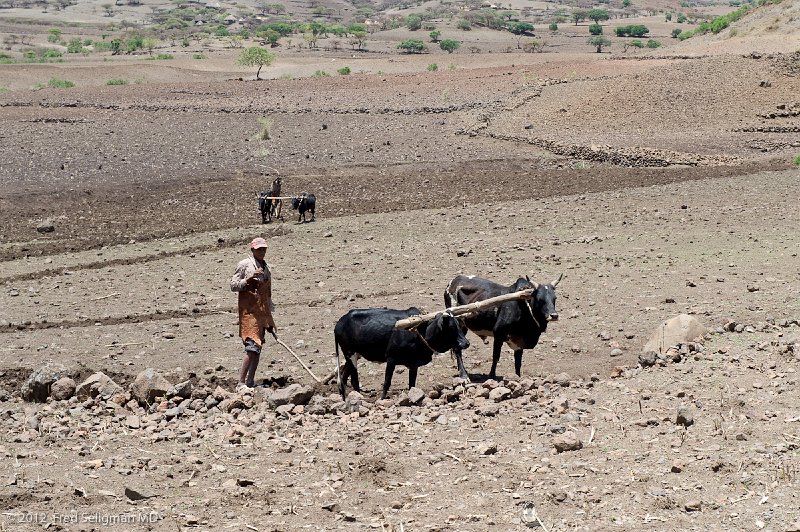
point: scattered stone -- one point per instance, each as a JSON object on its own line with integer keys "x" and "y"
{"x": 182, "y": 389}
{"x": 46, "y": 227}
{"x": 487, "y": 449}
{"x": 135, "y": 494}
{"x": 501, "y": 393}
{"x": 562, "y": 379}
{"x": 615, "y": 353}
{"x": 567, "y": 442}
{"x": 149, "y": 385}
{"x": 693, "y": 505}
{"x": 97, "y": 385}
{"x": 489, "y": 410}
{"x": 415, "y": 395}
{"x": 295, "y": 394}
{"x": 678, "y": 330}
{"x": 62, "y": 389}
{"x": 37, "y": 387}
{"x": 648, "y": 358}
{"x": 684, "y": 417}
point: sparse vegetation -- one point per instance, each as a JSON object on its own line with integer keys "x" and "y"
{"x": 117, "y": 82}
{"x": 652, "y": 43}
{"x": 4, "y": 90}
{"x": 553, "y": 26}
{"x": 266, "y": 127}
{"x": 320, "y": 74}
{"x": 160, "y": 57}
{"x": 449, "y": 45}
{"x": 434, "y": 35}
{"x": 433, "y": 67}
{"x": 414, "y": 22}
{"x": 344, "y": 71}
{"x": 796, "y": 160}
{"x": 716, "y": 25}
{"x": 595, "y": 29}
{"x": 256, "y": 56}
{"x": 199, "y": 56}
{"x": 598, "y": 41}
{"x": 533, "y": 45}
{"x": 632, "y": 44}
{"x": 60, "y": 84}
{"x": 597, "y": 15}
{"x": 633, "y": 30}
{"x": 464, "y": 25}
{"x": 676, "y": 32}
{"x": 53, "y": 35}
{"x": 412, "y": 46}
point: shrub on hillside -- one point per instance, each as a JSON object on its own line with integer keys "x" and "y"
{"x": 595, "y": 29}
{"x": 412, "y": 46}
{"x": 60, "y": 83}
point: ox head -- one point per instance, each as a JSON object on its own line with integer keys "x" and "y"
{"x": 295, "y": 203}
{"x": 444, "y": 333}
{"x": 543, "y": 301}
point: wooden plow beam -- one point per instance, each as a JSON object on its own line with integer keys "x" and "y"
{"x": 277, "y": 197}
{"x": 415, "y": 321}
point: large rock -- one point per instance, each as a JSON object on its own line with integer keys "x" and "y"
{"x": 148, "y": 385}
{"x": 98, "y": 384}
{"x": 37, "y": 387}
{"x": 62, "y": 389}
{"x": 567, "y": 442}
{"x": 678, "y": 330}
{"x": 295, "y": 394}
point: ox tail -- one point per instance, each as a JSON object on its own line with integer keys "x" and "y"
{"x": 338, "y": 363}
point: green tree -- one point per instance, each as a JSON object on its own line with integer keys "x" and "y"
{"x": 149, "y": 44}
{"x": 412, "y": 46}
{"x": 598, "y": 14}
{"x": 626, "y": 3}
{"x": 435, "y": 34}
{"x": 595, "y": 29}
{"x": 598, "y": 41}
{"x": 676, "y": 32}
{"x": 652, "y": 43}
{"x": 579, "y": 15}
{"x": 449, "y": 45}
{"x": 520, "y": 28}
{"x": 256, "y": 56}
{"x": 269, "y": 37}
{"x": 414, "y": 22}
{"x": 553, "y": 26}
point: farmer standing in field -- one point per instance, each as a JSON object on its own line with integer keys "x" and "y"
{"x": 253, "y": 282}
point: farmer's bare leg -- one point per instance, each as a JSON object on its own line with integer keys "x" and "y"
{"x": 252, "y": 352}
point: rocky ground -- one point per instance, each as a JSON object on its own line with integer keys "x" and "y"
{"x": 656, "y": 189}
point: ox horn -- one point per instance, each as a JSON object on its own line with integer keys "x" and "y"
{"x": 555, "y": 283}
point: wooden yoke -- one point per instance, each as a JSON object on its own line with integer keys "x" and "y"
{"x": 414, "y": 321}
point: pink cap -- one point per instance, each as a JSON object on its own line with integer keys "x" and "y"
{"x": 258, "y": 243}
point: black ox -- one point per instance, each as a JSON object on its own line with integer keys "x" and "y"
{"x": 516, "y": 323}
{"x": 371, "y": 334}
{"x": 304, "y": 202}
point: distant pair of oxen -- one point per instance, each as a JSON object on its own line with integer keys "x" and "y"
{"x": 371, "y": 333}
{"x": 270, "y": 204}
